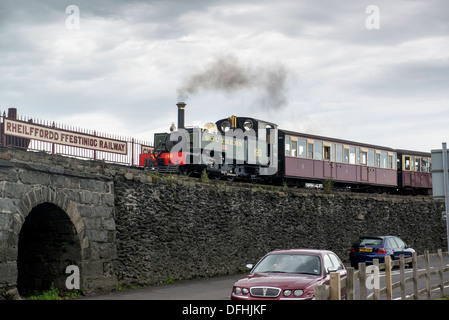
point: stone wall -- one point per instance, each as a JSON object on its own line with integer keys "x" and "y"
{"x": 173, "y": 229}
{"x": 139, "y": 229}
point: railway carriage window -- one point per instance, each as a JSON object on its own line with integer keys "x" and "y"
{"x": 327, "y": 153}
{"x": 358, "y": 156}
{"x": 346, "y": 155}
{"x": 339, "y": 153}
{"x": 363, "y": 158}
{"x": 294, "y": 148}
{"x": 334, "y": 152}
{"x": 318, "y": 150}
{"x": 287, "y": 146}
{"x": 417, "y": 164}
{"x": 378, "y": 160}
{"x": 407, "y": 163}
{"x": 390, "y": 162}
{"x": 383, "y": 159}
{"x": 424, "y": 165}
{"x": 310, "y": 151}
{"x": 302, "y": 143}
{"x": 352, "y": 155}
{"x": 371, "y": 157}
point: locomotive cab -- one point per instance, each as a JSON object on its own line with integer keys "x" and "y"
{"x": 249, "y": 147}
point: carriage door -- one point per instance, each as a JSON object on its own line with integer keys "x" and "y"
{"x": 363, "y": 166}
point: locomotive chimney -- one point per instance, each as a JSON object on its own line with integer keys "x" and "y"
{"x": 181, "y": 114}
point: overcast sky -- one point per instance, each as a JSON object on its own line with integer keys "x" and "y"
{"x": 322, "y": 67}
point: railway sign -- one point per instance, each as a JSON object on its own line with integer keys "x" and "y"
{"x": 27, "y": 130}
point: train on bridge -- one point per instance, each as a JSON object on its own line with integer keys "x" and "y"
{"x": 237, "y": 147}
{"x": 257, "y": 150}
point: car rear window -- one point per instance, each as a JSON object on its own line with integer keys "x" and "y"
{"x": 370, "y": 242}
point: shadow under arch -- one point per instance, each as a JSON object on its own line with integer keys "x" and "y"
{"x": 51, "y": 237}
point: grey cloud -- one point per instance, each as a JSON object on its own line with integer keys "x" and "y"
{"x": 230, "y": 75}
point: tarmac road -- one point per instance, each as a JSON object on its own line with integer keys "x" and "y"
{"x": 220, "y": 288}
{"x": 202, "y": 289}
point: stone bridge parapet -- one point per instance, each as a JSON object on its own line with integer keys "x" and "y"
{"x": 52, "y": 217}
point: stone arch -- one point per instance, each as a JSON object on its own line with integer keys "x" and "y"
{"x": 50, "y": 236}
{"x": 59, "y": 198}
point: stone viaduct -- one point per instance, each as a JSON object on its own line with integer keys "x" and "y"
{"x": 122, "y": 227}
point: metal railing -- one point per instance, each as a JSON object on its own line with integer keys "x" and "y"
{"x": 47, "y": 136}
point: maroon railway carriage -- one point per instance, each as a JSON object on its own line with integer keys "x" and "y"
{"x": 314, "y": 158}
{"x": 414, "y": 170}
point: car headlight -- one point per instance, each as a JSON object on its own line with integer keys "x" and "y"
{"x": 238, "y": 290}
{"x": 298, "y": 293}
{"x": 287, "y": 293}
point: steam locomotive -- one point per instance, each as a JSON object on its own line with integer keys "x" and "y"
{"x": 252, "y": 149}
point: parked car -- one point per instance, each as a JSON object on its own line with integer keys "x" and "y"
{"x": 368, "y": 248}
{"x": 288, "y": 274}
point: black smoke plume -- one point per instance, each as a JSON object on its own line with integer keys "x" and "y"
{"x": 228, "y": 74}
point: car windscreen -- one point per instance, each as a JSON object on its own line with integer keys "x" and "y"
{"x": 370, "y": 242}
{"x": 290, "y": 263}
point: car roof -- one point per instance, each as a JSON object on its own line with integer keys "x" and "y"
{"x": 376, "y": 236}
{"x": 300, "y": 251}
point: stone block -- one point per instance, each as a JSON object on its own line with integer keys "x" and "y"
{"x": 15, "y": 190}
{"x": 8, "y": 272}
{"x": 107, "y": 199}
{"x": 94, "y": 185}
{"x": 34, "y": 177}
{"x": 7, "y": 206}
{"x": 5, "y": 221}
{"x": 108, "y": 224}
{"x": 92, "y": 268}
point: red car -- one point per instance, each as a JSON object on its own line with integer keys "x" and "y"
{"x": 288, "y": 274}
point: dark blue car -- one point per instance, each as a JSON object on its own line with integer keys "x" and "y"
{"x": 378, "y": 247}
